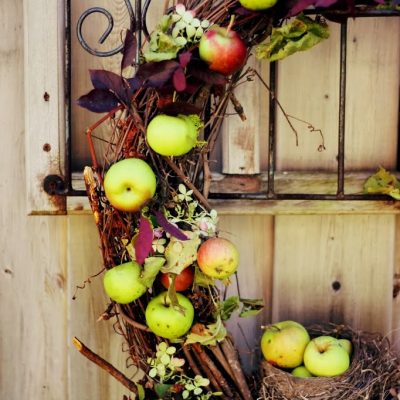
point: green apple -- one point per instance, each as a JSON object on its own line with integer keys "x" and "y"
{"x": 122, "y": 283}
{"x": 173, "y": 136}
{"x": 218, "y": 258}
{"x": 166, "y": 321}
{"x": 129, "y": 184}
{"x": 257, "y": 5}
{"x": 301, "y": 372}
{"x": 324, "y": 356}
{"x": 223, "y": 50}
{"x": 283, "y": 344}
{"x": 347, "y": 345}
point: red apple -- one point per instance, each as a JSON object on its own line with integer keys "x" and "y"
{"x": 223, "y": 50}
{"x": 218, "y": 258}
{"x": 183, "y": 280}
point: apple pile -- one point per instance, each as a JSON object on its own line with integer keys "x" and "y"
{"x": 288, "y": 345}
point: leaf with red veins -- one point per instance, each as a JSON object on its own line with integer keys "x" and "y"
{"x": 129, "y": 50}
{"x": 98, "y": 101}
{"x": 184, "y": 58}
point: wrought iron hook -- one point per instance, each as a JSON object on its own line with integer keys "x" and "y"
{"x": 104, "y": 36}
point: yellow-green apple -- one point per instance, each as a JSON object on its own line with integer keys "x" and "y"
{"x": 173, "y": 135}
{"x": 122, "y": 283}
{"x": 257, "y": 5}
{"x": 222, "y": 49}
{"x": 183, "y": 281}
{"x": 324, "y": 356}
{"x": 301, "y": 372}
{"x": 283, "y": 344}
{"x": 218, "y": 258}
{"x": 129, "y": 184}
{"x": 166, "y": 321}
{"x": 347, "y": 345}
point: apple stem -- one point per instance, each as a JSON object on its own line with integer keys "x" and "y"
{"x": 228, "y": 29}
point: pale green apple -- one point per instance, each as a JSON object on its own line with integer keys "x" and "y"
{"x": 301, "y": 372}
{"x": 122, "y": 283}
{"x": 166, "y": 321}
{"x": 173, "y": 136}
{"x": 129, "y": 184}
{"x": 283, "y": 344}
{"x": 324, "y": 356}
{"x": 257, "y": 5}
{"x": 347, "y": 345}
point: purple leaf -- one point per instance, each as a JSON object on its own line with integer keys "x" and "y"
{"x": 102, "y": 79}
{"x": 168, "y": 227}
{"x": 184, "y": 58}
{"x": 144, "y": 240}
{"x": 200, "y": 70}
{"x": 179, "y": 80}
{"x": 98, "y": 100}
{"x": 129, "y": 50}
{"x": 156, "y": 74}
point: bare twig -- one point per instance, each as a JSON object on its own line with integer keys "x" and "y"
{"x": 118, "y": 375}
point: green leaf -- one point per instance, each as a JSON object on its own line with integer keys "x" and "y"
{"x": 141, "y": 393}
{"x": 383, "y": 182}
{"x": 151, "y": 268}
{"x": 202, "y": 279}
{"x": 212, "y": 334}
{"x": 251, "y": 307}
{"x": 301, "y": 34}
{"x": 162, "y": 389}
{"x": 229, "y": 306}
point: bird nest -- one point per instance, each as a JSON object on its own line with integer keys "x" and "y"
{"x": 373, "y": 373}
{"x": 205, "y": 363}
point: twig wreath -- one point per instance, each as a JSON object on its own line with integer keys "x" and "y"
{"x": 166, "y": 265}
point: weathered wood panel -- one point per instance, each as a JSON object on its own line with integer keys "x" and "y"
{"x": 33, "y": 329}
{"x": 334, "y": 268}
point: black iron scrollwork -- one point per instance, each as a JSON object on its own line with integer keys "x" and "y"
{"x": 135, "y": 25}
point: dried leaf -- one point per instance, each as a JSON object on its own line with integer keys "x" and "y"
{"x": 212, "y": 334}
{"x": 168, "y": 227}
{"x": 251, "y": 307}
{"x": 144, "y": 240}
{"x": 180, "y": 254}
{"x": 151, "y": 268}
{"x": 299, "y": 35}
{"x": 98, "y": 101}
{"x": 383, "y": 182}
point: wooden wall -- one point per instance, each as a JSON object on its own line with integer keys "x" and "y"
{"x": 290, "y": 259}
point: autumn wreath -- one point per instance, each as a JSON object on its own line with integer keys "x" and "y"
{"x": 149, "y": 182}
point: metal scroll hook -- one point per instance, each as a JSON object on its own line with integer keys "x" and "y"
{"x": 104, "y": 36}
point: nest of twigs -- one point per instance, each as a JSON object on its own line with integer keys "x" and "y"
{"x": 373, "y": 374}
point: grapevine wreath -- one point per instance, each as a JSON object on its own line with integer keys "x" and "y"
{"x": 149, "y": 182}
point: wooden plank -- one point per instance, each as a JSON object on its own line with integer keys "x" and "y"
{"x": 241, "y": 139}
{"x": 373, "y": 81}
{"x": 254, "y": 239}
{"x": 315, "y": 253}
{"x": 44, "y": 101}
{"x": 86, "y": 380}
{"x": 33, "y": 361}
{"x": 395, "y": 334}
{"x": 308, "y": 89}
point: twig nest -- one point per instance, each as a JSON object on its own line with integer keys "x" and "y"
{"x": 373, "y": 372}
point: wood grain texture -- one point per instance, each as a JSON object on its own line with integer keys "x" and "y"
{"x": 253, "y": 237}
{"x": 44, "y": 100}
{"x": 87, "y": 381}
{"x": 33, "y": 362}
{"x": 241, "y": 151}
{"x": 312, "y": 253}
